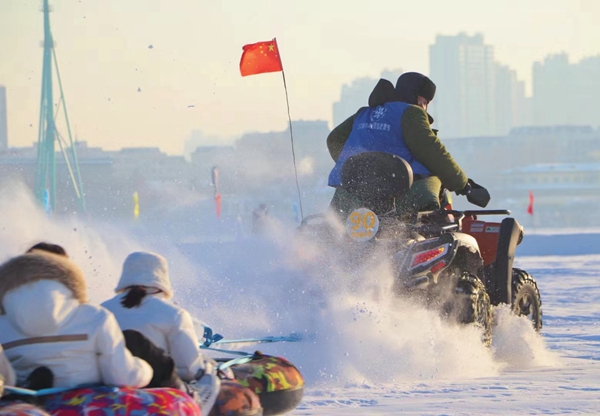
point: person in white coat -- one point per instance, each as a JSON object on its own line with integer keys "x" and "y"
{"x": 47, "y": 322}
{"x": 7, "y": 374}
{"x": 142, "y": 304}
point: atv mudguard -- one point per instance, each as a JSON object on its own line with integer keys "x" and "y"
{"x": 499, "y": 273}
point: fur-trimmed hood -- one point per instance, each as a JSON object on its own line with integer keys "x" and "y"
{"x": 38, "y": 266}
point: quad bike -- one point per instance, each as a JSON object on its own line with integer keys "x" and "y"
{"x": 450, "y": 259}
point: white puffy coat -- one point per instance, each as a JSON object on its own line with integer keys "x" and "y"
{"x": 167, "y": 326}
{"x": 6, "y": 371}
{"x": 45, "y": 325}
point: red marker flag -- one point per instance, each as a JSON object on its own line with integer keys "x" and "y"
{"x": 260, "y": 57}
{"x": 218, "y": 204}
{"x": 530, "y": 206}
{"x": 215, "y": 182}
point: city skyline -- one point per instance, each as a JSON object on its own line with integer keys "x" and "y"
{"x": 185, "y": 63}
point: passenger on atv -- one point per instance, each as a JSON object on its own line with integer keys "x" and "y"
{"x": 396, "y": 122}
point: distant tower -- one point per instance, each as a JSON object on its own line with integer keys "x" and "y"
{"x": 463, "y": 69}
{"x": 3, "y": 123}
{"x": 45, "y": 183}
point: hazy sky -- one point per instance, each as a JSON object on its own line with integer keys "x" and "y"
{"x": 104, "y": 57}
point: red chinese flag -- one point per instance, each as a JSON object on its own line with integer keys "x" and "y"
{"x": 218, "y": 204}
{"x": 530, "y": 206}
{"x": 259, "y": 58}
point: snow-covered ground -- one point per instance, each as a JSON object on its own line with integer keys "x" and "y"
{"x": 368, "y": 353}
{"x": 363, "y": 351}
{"x": 556, "y": 374}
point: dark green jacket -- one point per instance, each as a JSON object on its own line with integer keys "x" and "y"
{"x": 420, "y": 140}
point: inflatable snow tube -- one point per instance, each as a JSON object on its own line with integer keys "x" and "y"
{"x": 277, "y": 382}
{"x": 125, "y": 402}
{"x": 236, "y": 400}
{"x": 20, "y": 409}
{"x": 100, "y": 401}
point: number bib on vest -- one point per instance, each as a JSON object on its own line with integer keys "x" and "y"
{"x": 362, "y": 224}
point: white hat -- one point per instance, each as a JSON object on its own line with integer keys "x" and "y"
{"x": 145, "y": 269}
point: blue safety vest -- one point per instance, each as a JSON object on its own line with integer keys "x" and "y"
{"x": 377, "y": 129}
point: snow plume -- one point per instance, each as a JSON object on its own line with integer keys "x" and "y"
{"x": 99, "y": 254}
{"x": 517, "y": 344}
{"x": 306, "y": 166}
{"x": 354, "y": 330}
{"x": 365, "y": 333}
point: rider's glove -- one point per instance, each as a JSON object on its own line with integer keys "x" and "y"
{"x": 467, "y": 189}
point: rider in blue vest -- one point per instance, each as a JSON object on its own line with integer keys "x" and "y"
{"x": 396, "y": 122}
{"x": 377, "y": 129}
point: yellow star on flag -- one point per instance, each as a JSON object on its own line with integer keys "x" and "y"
{"x": 258, "y": 59}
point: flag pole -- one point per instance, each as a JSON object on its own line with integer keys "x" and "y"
{"x": 287, "y": 101}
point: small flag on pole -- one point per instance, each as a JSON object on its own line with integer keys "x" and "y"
{"x": 218, "y": 204}
{"x": 47, "y": 207}
{"x": 530, "y": 206}
{"x": 260, "y": 57}
{"x": 215, "y": 182}
{"x": 136, "y": 205}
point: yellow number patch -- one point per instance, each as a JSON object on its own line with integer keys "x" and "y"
{"x": 362, "y": 224}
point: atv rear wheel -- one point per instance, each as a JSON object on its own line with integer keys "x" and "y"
{"x": 474, "y": 305}
{"x": 526, "y": 299}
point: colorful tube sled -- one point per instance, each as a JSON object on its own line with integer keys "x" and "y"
{"x": 97, "y": 401}
{"x": 20, "y": 409}
{"x": 233, "y": 400}
{"x": 264, "y": 385}
{"x": 277, "y": 382}
{"x": 236, "y": 400}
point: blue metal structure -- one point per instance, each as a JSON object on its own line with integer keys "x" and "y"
{"x": 48, "y": 135}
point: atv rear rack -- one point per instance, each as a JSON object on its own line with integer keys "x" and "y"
{"x": 475, "y": 212}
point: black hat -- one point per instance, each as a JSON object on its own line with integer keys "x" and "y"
{"x": 410, "y": 85}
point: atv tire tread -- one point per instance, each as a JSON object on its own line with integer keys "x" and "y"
{"x": 476, "y": 305}
{"x": 523, "y": 284}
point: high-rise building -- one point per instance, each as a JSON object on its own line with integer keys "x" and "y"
{"x": 356, "y": 95}
{"x": 511, "y": 104}
{"x": 505, "y": 97}
{"x": 551, "y": 90}
{"x": 587, "y": 86}
{"x": 3, "y": 120}
{"x": 353, "y": 96}
{"x": 523, "y": 115}
{"x": 463, "y": 69}
{"x": 565, "y": 93}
